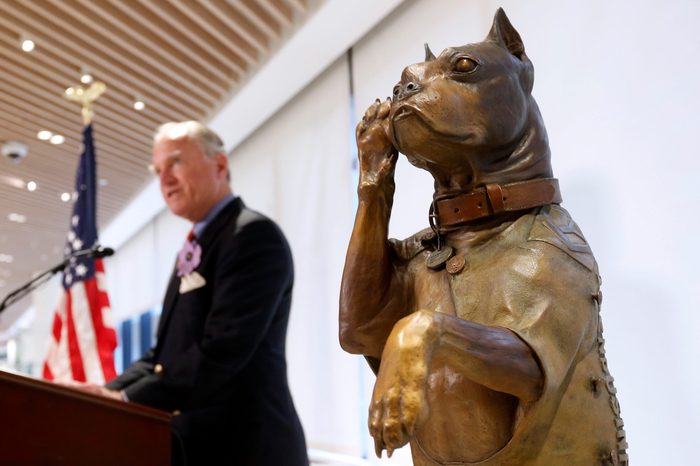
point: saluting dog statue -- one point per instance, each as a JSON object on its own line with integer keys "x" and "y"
{"x": 483, "y": 329}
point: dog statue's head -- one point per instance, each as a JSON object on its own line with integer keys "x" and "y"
{"x": 468, "y": 115}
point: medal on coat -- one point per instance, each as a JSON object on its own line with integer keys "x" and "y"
{"x": 437, "y": 259}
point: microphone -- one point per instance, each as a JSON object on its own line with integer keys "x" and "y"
{"x": 95, "y": 252}
{"x": 98, "y": 252}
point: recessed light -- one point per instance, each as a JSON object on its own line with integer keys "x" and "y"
{"x": 28, "y": 45}
{"x": 17, "y": 218}
{"x": 44, "y": 135}
{"x": 139, "y": 105}
{"x": 6, "y": 258}
{"x": 57, "y": 139}
{"x": 104, "y": 181}
{"x": 86, "y": 78}
{"x": 13, "y": 181}
{"x": 65, "y": 197}
{"x": 31, "y": 186}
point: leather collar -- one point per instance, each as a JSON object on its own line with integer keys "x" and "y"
{"x": 454, "y": 210}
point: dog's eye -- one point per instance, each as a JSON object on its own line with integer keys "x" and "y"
{"x": 465, "y": 65}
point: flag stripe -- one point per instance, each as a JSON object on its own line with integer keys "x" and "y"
{"x": 47, "y": 372}
{"x": 58, "y": 362}
{"x": 106, "y": 335}
{"x": 76, "y": 359}
{"x": 57, "y": 325}
{"x": 84, "y": 301}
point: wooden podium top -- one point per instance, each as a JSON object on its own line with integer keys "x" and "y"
{"x": 47, "y": 424}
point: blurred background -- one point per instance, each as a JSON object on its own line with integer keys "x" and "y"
{"x": 284, "y": 83}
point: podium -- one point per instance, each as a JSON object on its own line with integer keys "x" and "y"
{"x": 44, "y": 424}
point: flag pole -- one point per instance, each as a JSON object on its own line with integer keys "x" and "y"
{"x": 83, "y": 339}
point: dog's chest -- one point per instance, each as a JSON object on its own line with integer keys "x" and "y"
{"x": 474, "y": 284}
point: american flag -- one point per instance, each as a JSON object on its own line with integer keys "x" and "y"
{"x": 83, "y": 340}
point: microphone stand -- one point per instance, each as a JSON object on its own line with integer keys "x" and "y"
{"x": 14, "y": 296}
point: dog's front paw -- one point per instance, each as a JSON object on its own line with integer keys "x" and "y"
{"x": 393, "y": 416}
{"x": 399, "y": 400}
{"x": 376, "y": 152}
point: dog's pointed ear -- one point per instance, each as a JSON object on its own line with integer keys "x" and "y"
{"x": 429, "y": 55}
{"x": 503, "y": 33}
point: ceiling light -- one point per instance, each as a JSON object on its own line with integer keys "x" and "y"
{"x": 104, "y": 181}
{"x": 139, "y": 105}
{"x": 31, "y": 186}
{"x": 13, "y": 181}
{"x": 44, "y": 135}
{"x": 85, "y": 75}
{"x": 28, "y": 45}
{"x": 6, "y": 258}
{"x": 65, "y": 197}
{"x": 17, "y": 218}
{"x": 57, "y": 139}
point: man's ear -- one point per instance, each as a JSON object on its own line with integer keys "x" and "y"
{"x": 221, "y": 162}
{"x": 503, "y": 33}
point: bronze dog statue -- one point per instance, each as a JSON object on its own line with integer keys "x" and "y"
{"x": 484, "y": 329}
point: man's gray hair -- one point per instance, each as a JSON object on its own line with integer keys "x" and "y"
{"x": 207, "y": 139}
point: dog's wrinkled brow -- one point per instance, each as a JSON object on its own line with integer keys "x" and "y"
{"x": 451, "y": 52}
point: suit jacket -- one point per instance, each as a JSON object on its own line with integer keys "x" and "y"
{"x": 219, "y": 362}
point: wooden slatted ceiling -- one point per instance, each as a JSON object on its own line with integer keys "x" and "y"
{"x": 183, "y": 58}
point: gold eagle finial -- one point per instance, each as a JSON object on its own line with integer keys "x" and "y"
{"x": 86, "y": 98}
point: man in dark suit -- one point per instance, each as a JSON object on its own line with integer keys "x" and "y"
{"x": 219, "y": 362}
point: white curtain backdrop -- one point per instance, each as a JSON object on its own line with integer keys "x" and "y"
{"x": 297, "y": 169}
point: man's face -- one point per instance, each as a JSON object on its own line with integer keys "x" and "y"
{"x": 190, "y": 182}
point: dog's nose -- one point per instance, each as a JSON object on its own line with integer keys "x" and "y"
{"x": 401, "y": 91}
